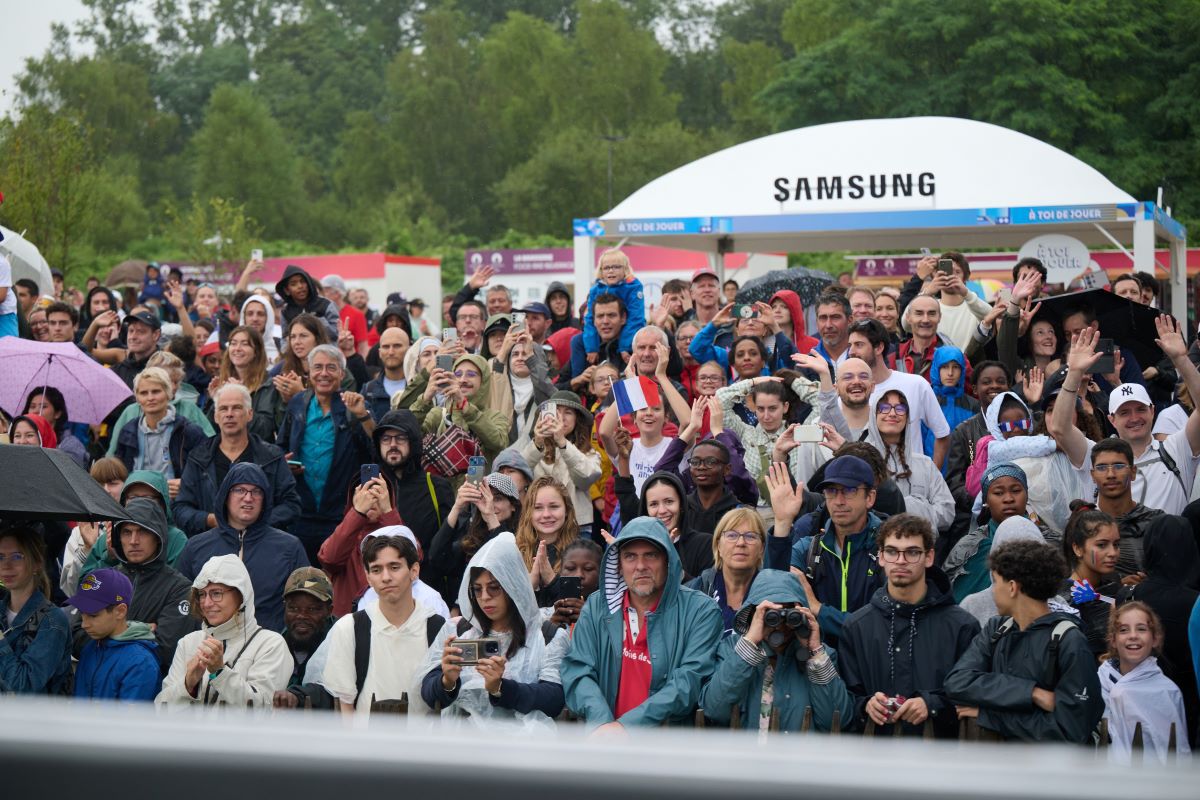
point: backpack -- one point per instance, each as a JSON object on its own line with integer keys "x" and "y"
{"x": 1049, "y": 676}
{"x": 362, "y": 645}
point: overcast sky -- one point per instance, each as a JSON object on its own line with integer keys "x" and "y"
{"x": 27, "y": 33}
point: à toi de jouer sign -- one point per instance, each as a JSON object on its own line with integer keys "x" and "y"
{"x": 1065, "y": 257}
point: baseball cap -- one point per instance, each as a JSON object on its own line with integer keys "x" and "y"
{"x": 700, "y": 273}
{"x": 309, "y": 580}
{"x": 537, "y": 308}
{"x": 146, "y": 318}
{"x": 416, "y": 302}
{"x": 395, "y": 299}
{"x": 497, "y": 322}
{"x": 101, "y": 589}
{"x": 334, "y": 281}
{"x": 1127, "y": 393}
{"x": 848, "y": 471}
{"x": 209, "y": 348}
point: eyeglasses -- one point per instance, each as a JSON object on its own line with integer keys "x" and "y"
{"x": 612, "y": 268}
{"x": 490, "y": 590}
{"x": 215, "y": 595}
{"x": 834, "y": 492}
{"x": 469, "y": 318}
{"x": 246, "y": 491}
{"x": 466, "y": 373}
{"x": 12, "y": 558}
{"x": 708, "y": 462}
{"x": 392, "y": 438}
{"x": 709, "y": 378}
{"x": 733, "y": 537}
{"x": 912, "y": 555}
{"x": 1116, "y": 469}
{"x": 899, "y": 409}
{"x": 1016, "y": 425}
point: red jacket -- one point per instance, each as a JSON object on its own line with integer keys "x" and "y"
{"x": 342, "y": 560}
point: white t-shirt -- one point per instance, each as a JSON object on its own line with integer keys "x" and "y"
{"x": 396, "y": 655}
{"x": 643, "y": 460}
{"x": 1155, "y": 486}
{"x": 1172, "y": 419}
{"x": 922, "y": 402}
{"x": 9, "y": 305}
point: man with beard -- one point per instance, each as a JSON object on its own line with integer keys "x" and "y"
{"x": 833, "y": 321}
{"x": 403, "y": 494}
{"x": 307, "y": 617}
{"x": 393, "y": 345}
{"x": 923, "y": 316}
{"x": 468, "y": 321}
{"x": 844, "y": 404}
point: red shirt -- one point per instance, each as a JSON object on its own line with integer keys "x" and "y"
{"x": 355, "y": 322}
{"x": 636, "y": 669}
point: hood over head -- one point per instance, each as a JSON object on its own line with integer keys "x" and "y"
{"x": 480, "y": 396}
{"x": 268, "y": 336}
{"x": 503, "y": 560}
{"x": 560, "y": 341}
{"x": 558, "y": 287}
{"x": 394, "y": 310}
{"x": 912, "y": 438}
{"x": 314, "y": 289}
{"x": 991, "y": 416}
{"x": 612, "y": 585}
{"x": 942, "y": 356}
{"x": 405, "y": 423}
{"x": 1170, "y": 551}
{"x": 245, "y": 473}
{"x": 46, "y": 436}
{"x": 775, "y": 586}
{"x": 229, "y": 571}
{"x": 804, "y": 343}
{"x": 148, "y": 514}
{"x": 414, "y": 352}
{"x": 156, "y": 481}
{"x": 677, "y": 482}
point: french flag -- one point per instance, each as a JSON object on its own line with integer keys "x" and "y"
{"x": 633, "y": 394}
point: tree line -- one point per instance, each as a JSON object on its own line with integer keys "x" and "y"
{"x": 429, "y": 127}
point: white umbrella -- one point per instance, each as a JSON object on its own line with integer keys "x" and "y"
{"x": 26, "y": 261}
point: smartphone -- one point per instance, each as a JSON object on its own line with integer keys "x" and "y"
{"x": 446, "y": 363}
{"x": 476, "y": 469}
{"x": 518, "y": 318}
{"x": 475, "y": 649}
{"x": 742, "y": 311}
{"x": 945, "y": 266}
{"x": 548, "y": 409}
{"x": 813, "y": 434}
{"x": 256, "y": 255}
{"x": 570, "y": 587}
{"x": 368, "y": 471}
{"x": 294, "y": 463}
{"x": 1106, "y": 362}
{"x": 449, "y": 334}
{"x": 925, "y": 251}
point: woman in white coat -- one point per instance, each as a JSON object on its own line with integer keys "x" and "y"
{"x": 231, "y": 660}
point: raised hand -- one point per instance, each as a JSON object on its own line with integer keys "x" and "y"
{"x": 1035, "y": 384}
{"x": 481, "y": 277}
{"x": 786, "y": 502}
{"x": 1170, "y": 339}
{"x": 1083, "y": 356}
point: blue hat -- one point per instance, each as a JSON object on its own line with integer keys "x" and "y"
{"x": 848, "y": 471}
{"x": 1005, "y": 471}
{"x": 101, "y": 589}
{"x": 537, "y": 308}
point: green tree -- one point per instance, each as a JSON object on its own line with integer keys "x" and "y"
{"x": 241, "y": 154}
{"x": 212, "y": 231}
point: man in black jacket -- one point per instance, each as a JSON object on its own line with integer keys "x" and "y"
{"x": 209, "y": 462}
{"x": 161, "y": 595}
{"x": 422, "y": 500}
{"x": 894, "y": 653}
{"x": 301, "y": 294}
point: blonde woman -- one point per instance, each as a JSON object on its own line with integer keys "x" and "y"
{"x": 739, "y": 544}
{"x": 158, "y": 439}
{"x": 183, "y": 399}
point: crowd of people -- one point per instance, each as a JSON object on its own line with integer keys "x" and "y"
{"x": 932, "y": 509}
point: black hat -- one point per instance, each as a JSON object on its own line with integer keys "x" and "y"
{"x": 146, "y": 318}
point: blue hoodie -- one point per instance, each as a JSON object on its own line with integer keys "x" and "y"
{"x": 957, "y": 405}
{"x": 630, "y": 292}
{"x": 124, "y": 667}
{"x": 682, "y": 635}
{"x": 270, "y": 555}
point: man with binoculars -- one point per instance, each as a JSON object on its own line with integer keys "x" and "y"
{"x": 775, "y": 662}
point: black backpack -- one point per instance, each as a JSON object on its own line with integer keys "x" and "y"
{"x": 1049, "y": 677}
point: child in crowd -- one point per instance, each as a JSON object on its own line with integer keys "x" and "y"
{"x": 153, "y": 286}
{"x": 950, "y": 387}
{"x": 1135, "y": 689}
{"x": 120, "y": 662}
{"x": 614, "y": 275}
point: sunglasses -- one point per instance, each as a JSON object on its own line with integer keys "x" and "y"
{"x": 1016, "y": 425}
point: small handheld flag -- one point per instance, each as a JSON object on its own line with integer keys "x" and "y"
{"x": 633, "y": 394}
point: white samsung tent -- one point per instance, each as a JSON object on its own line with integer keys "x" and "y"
{"x": 886, "y": 184}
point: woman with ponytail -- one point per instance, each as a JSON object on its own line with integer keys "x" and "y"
{"x": 1091, "y": 544}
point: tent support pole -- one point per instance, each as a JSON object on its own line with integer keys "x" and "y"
{"x": 1178, "y": 281}
{"x": 585, "y": 262}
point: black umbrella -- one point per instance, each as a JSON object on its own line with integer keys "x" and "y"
{"x": 41, "y": 484}
{"x": 1128, "y": 324}
{"x": 808, "y": 283}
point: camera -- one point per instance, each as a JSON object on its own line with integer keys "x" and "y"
{"x": 744, "y": 312}
{"x": 475, "y": 649}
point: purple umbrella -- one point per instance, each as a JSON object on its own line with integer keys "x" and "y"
{"x": 91, "y": 391}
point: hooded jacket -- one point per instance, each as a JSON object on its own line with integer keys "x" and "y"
{"x": 316, "y": 305}
{"x": 185, "y": 408}
{"x": 800, "y": 338}
{"x": 488, "y": 425}
{"x": 46, "y": 436}
{"x": 1143, "y": 695}
{"x": 692, "y": 542}
{"x": 197, "y": 496}
{"x": 982, "y": 604}
{"x": 270, "y": 555}
{"x": 269, "y": 342}
{"x": 124, "y": 667}
{"x": 570, "y": 320}
{"x": 907, "y": 649}
{"x": 682, "y": 635}
{"x": 925, "y": 491}
{"x": 957, "y": 405}
{"x": 257, "y": 661}
{"x": 999, "y": 672}
{"x": 737, "y": 681}
{"x": 531, "y": 689}
{"x": 633, "y": 298}
{"x": 35, "y": 650}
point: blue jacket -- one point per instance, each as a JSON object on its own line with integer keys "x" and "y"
{"x": 270, "y": 555}
{"x": 704, "y": 348}
{"x": 957, "y": 405}
{"x": 197, "y": 496}
{"x": 120, "y": 669}
{"x": 842, "y": 584}
{"x": 632, "y": 296}
{"x": 738, "y": 682}
{"x": 682, "y": 636}
{"x": 351, "y": 449}
{"x": 379, "y": 402}
{"x": 184, "y": 436}
{"x": 35, "y": 652}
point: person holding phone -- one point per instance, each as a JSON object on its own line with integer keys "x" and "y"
{"x": 479, "y": 512}
{"x": 466, "y": 391}
{"x": 561, "y": 448}
{"x": 578, "y": 577}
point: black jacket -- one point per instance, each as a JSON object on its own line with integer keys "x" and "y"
{"x": 160, "y": 594}
{"x": 902, "y": 649}
{"x": 696, "y": 525}
{"x": 128, "y": 369}
{"x": 185, "y": 437}
{"x": 998, "y": 676}
{"x": 422, "y": 500}
{"x": 197, "y": 496}
{"x": 316, "y": 305}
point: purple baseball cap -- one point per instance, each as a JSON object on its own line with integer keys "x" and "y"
{"x": 101, "y": 589}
